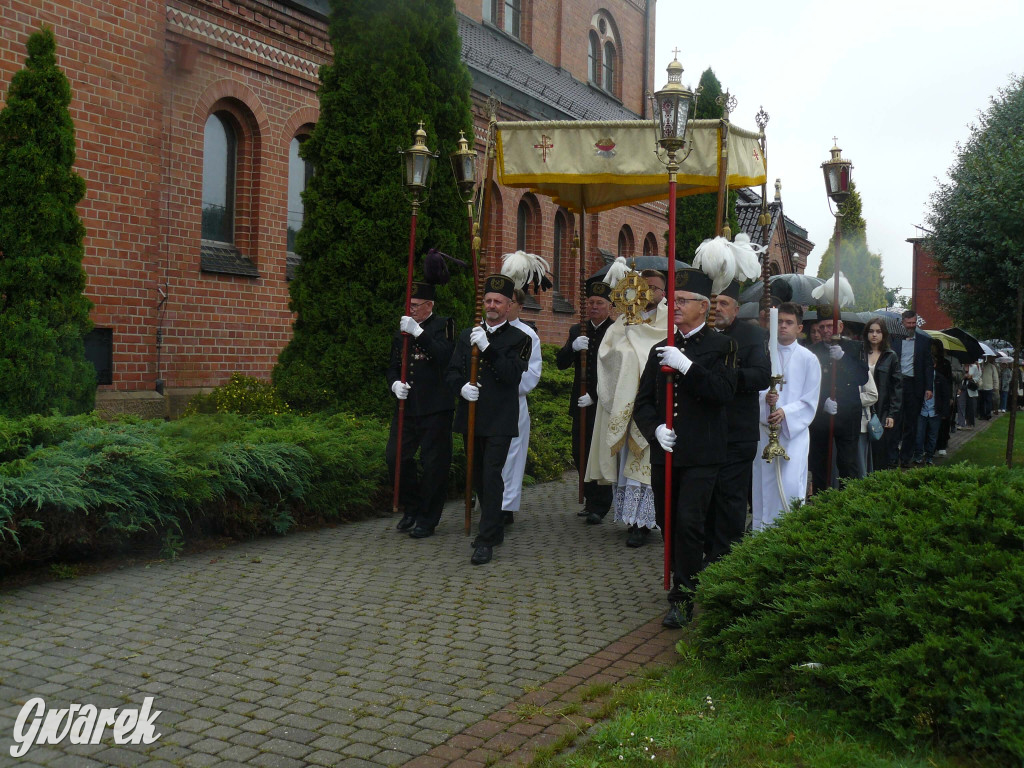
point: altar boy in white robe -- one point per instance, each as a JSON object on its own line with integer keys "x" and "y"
{"x": 796, "y": 401}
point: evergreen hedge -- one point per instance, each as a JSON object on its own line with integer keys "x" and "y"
{"x": 44, "y": 313}
{"x": 395, "y": 63}
{"x": 907, "y": 590}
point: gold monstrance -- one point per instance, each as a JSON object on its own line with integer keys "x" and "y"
{"x": 631, "y": 296}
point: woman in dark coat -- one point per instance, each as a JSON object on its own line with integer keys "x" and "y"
{"x": 884, "y": 367}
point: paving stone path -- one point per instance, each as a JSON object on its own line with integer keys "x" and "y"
{"x": 350, "y": 646}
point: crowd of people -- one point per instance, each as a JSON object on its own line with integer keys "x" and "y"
{"x": 843, "y": 405}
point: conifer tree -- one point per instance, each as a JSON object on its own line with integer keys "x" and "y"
{"x": 860, "y": 266}
{"x": 695, "y": 214}
{"x": 43, "y": 311}
{"x": 395, "y": 63}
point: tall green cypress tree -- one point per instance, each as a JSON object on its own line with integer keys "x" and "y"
{"x": 695, "y": 214}
{"x": 860, "y": 266}
{"x": 43, "y": 312}
{"x": 395, "y": 63}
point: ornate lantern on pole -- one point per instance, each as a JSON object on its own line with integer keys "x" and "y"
{"x": 838, "y": 187}
{"x": 418, "y": 162}
{"x": 673, "y": 106}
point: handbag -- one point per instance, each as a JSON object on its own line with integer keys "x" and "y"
{"x": 972, "y": 385}
{"x": 875, "y": 427}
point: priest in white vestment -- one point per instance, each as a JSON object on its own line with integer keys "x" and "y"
{"x": 797, "y": 401}
{"x": 515, "y": 465}
{"x": 619, "y": 454}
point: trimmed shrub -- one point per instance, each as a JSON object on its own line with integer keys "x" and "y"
{"x": 241, "y": 394}
{"x": 907, "y": 590}
{"x": 550, "y": 451}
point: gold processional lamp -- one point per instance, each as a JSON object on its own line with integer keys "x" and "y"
{"x": 838, "y": 176}
{"x": 673, "y": 105}
{"x": 464, "y": 167}
{"x": 418, "y": 164}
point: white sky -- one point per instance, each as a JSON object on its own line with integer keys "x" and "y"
{"x": 897, "y": 82}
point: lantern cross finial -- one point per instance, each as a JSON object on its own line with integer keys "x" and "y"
{"x": 675, "y": 53}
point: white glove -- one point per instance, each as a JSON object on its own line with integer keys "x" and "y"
{"x": 666, "y": 438}
{"x": 831, "y": 406}
{"x": 580, "y": 343}
{"x": 401, "y": 390}
{"x": 470, "y": 392}
{"x": 585, "y": 401}
{"x": 478, "y": 336}
{"x": 674, "y": 358}
{"x": 410, "y": 326}
{"x": 836, "y": 352}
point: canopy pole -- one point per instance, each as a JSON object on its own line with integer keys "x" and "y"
{"x": 581, "y": 250}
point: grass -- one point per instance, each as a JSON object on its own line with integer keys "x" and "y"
{"x": 691, "y": 716}
{"x": 988, "y": 449}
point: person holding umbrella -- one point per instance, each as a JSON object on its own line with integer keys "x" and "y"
{"x": 915, "y": 353}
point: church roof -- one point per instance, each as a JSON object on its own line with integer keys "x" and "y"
{"x": 503, "y": 66}
{"x": 748, "y": 209}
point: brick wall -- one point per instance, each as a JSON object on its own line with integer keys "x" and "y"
{"x": 146, "y": 75}
{"x": 927, "y": 277}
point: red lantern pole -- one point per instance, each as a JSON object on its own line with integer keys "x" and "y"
{"x": 405, "y": 348}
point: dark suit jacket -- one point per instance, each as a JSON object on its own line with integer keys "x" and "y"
{"x": 700, "y": 397}
{"x": 851, "y": 373}
{"x": 924, "y": 368}
{"x": 429, "y": 355}
{"x": 501, "y": 366}
{"x": 566, "y": 357}
{"x": 753, "y": 373}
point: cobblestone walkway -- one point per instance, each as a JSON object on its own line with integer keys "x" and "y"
{"x": 352, "y": 646}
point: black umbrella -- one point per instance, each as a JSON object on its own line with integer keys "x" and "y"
{"x": 854, "y": 320}
{"x": 802, "y": 286}
{"x": 971, "y": 344}
{"x": 640, "y": 263}
{"x": 893, "y": 322}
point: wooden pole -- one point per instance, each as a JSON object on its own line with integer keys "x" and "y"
{"x": 835, "y": 340}
{"x": 405, "y": 350}
{"x": 479, "y": 260}
{"x": 584, "y": 329}
{"x": 1015, "y": 379}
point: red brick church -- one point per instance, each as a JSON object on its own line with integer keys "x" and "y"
{"x": 189, "y": 115}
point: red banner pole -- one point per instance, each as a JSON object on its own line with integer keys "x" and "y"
{"x": 405, "y": 350}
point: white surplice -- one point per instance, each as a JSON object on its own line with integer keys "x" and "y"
{"x": 798, "y": 397}
{"x": 515, "y": 464}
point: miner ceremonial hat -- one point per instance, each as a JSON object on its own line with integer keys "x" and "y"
{"x": 423, "y": 291}
{"x": 693, "y": 280}
{"x": 597, "y": 287}
{"x": 500, "y": 284}
{"x": 732, "y": 290}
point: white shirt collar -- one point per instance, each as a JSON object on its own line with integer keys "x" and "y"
{"x": 698, "y": 329}
{"x": 493, "y": 328}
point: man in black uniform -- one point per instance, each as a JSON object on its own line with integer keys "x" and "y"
{"x": 703, "y": 383}
{"x": 429, "y": 407}
{"x": 727, "y": 515}
{"x": 597, "y": 498}
{"x": 851, "y": 373}
{"x": 504, "y": 356}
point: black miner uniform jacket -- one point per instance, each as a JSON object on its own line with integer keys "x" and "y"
{"x": 753, "y": 374}
{"x": 566, "y": 357}
{"x": 701, "y": 396}
{"x": 851, "y": 374}
{"x": 501, "y": 367}
{"x": 429, "y": 354}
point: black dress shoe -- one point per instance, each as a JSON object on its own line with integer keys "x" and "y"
{"x": 406, "y": 523}
{"x": 594, "y": 519}
{"x": 678, "y": 616}
{"x": 421, "y": 532}
{"x": 481, "y": 555}
{"x": 583, "y": 512}
{"x": 508, "y": 517}
{"x": 637, "y": 536}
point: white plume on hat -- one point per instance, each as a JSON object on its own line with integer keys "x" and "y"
{"x": 826, "y": 292}
{"x": 618, "y": 270}
{"x": 748, "y": 265}
{"x": 716, "y": 259}
{"x": 524, "y": 267}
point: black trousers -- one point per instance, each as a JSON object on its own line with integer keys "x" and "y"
{"x": 596, "y": 497}
{"x": 727, "y": 513}
{"x": 909, "y": 412}
{"x": 691, "y": 490}
{"x": 846, "y": 447}
{"x": 423, "y": 498}
{"x": 489, "y": 455}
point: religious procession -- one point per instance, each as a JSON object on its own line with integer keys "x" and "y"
{"x": 691, "y": 424}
